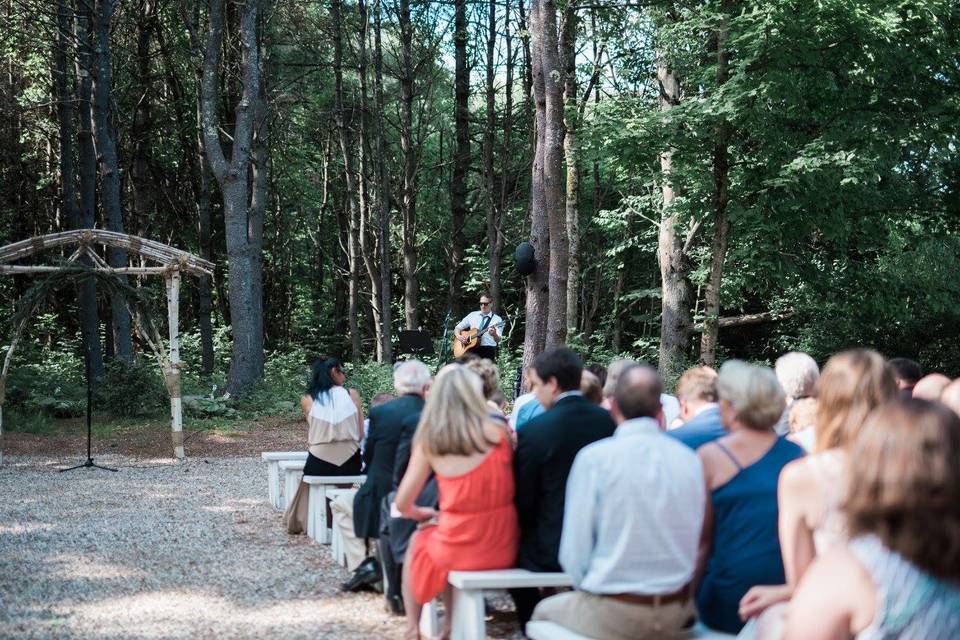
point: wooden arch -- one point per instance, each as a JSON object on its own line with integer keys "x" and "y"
{"x": 171, "y": 263}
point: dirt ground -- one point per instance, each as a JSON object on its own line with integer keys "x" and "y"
{"x": 152, "y": 440}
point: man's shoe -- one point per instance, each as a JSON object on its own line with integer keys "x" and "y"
{"x": 365, "y": 575}
{"x": 395, "y": 606}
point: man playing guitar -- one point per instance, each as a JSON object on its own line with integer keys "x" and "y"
{"x": 486, "y": 322}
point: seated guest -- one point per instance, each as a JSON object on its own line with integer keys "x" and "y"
{"x": 741, "y": 471}
{"x": 488, "y": 372}
{"x": 362, "y": 508}
{"x": 471, "y": 456}
{"x": 697, "y": 393}
{"x": 811, "y": 489}
{"x": 526, "y": 407}
{"x": 376, "y": 401}
{"x": 951, "y": 396}
{"x": 801, "y": 422}
{"x": 930, "y": 386}
{"x": 598, "y": 370}
{"x": 335, "y": 428}
{"x": 634, "y": 513}
{"x": 668, "y": 403}
{"x": 797, "y": 374}
{"x": 907, "y": 372}
{"x": 590, "y": 387}
{"x": 899, "y": 576}
{"x": 546, "y": 447}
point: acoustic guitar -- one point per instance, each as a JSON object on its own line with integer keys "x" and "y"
{"x": 473, "y": 339}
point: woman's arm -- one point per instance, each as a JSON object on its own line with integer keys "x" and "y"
{"x": 356, "y": 400}
{"x": 418, "y": 470}
{"x": 306, "y": 403}
{"x": 834, "y": 600}
{"x": 796, "y": 536}
{"x": 706, "y": 534}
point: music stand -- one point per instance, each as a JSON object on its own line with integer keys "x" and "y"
{"x": 89, "y": 462}
{"x": 417, "y": 343}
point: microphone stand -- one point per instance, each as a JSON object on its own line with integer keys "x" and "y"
{"x": 444, "y": 343}
{"x": 89, "y": 462}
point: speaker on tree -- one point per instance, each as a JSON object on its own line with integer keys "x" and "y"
{"x": 524, "y": 259}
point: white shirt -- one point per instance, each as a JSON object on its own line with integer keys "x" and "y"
{"x": 633, "y": 514}
{"x": 474, "y": 319}
{"x": 671, "y": 408}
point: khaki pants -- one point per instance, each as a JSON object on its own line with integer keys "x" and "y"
{"x": 354, "y": 547}
{"x": 606, "y": 618}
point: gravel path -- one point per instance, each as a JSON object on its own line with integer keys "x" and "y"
{"x": 162, "y": 550}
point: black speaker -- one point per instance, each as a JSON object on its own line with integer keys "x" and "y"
{"x": 524, "y": 258}
{"x": 417, "y": 343}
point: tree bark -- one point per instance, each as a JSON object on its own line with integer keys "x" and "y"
{"x": 535, "y": 333}
{"x": 383, "y": 193}
{"x": 545, "y": 39}
{"x": 494, "y": 212}
{"x": 109, "y": 165}
{"x": 243, "y": 231}
{"x": 408, "y": 205}
{"x": 461, "y": 158}
{"x": 87, "y": 292}
{"x": 346, "y": 147}
{"x": 676, "y": 322}
{"x": 143, "y": 120}
{"x": 568, "y": 49}
{"x": 721, "y": 226}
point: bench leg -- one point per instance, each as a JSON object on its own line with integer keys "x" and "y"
{"x": 430, "y": 620}
{"x": 469, "y": 621}
{"x": 273, "y": 485}
{"x": 319, "y": 517}
{"x": 290, "y": 482}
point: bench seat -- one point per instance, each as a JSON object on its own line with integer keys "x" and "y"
{"x": 273, "y": 459}
{"x": 318, "y": 527}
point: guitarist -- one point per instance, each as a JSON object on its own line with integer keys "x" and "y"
{"x": 486, "y": 321}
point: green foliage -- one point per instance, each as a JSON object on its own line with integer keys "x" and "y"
{"x": 132, "y": 389}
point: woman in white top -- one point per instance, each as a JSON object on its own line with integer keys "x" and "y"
{"x": 335, "y": 429}
{"x": 899, "y": 576}
{"x": 811, "y": 489}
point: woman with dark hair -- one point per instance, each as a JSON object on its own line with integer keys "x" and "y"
{"x": 335, "y": 429}
{"x": 899, "y": 576}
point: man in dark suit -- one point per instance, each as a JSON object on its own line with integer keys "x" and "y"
{"x": 410, "y": 379}
{"x": 546, "y": 448}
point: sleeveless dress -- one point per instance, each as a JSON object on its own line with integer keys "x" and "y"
{"x": 911, "y": 604}
{"x": 746, "y": 545}
{"x": 477, "y": 528}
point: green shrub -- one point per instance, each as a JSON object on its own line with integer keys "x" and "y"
{"x": 131, "y": 389}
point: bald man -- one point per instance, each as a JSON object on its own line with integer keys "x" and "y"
{"x": 930, "y": 387}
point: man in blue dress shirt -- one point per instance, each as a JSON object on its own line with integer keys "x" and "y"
{"x": 697, "y": 393}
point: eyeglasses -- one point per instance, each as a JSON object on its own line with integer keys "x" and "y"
{"x": 484, "y": 304}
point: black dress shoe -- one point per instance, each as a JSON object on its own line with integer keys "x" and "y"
{"x": 365, "y": 575}
{"x": 395, "y": 606}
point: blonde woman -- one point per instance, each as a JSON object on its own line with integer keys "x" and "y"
{"x": 899, "y": 576}
{"x": 741, "y": 470}
{"x": 471, "y": 455}
{"x": 811, "y": 490}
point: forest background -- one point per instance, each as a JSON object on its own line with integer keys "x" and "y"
{"x": 700, "y": 180}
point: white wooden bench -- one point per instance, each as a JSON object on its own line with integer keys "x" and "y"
{"x": 543, "y": 630}
{"x": 290, "y": 472}
{"x": 318, "y": 527}
{"x": 336, "y": 541}
{"x": 273, "y": 459}
{"x": 469, "y": 621}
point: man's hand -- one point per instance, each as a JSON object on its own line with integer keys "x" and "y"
{"x": 493, "y": 332}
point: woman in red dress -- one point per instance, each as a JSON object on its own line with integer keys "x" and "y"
{"x": 476, "y": 527}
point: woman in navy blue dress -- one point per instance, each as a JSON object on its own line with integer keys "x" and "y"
{"x": 741, "y": 547}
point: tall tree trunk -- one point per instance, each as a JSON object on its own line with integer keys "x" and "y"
{"x": 568, "y": 49}
{"x": 383, "y": 193}
{"x": 143, "y": 119}
{"x": 529, "y": 97}
{"x": 408, "y": 205}
{"x": 538, "y": 292}
{"x": 346, "y": 148}
{"x": 87, "y": 215}
{"x": 461, "y": 157}
{"x": 367, "y": 237}
{"x": 721, "y": 226}
{"x": 494, "y": 213}
{"x": 545, "y": 39}
{"x": 676, "y": 323}
{"x": 243, "y": 232}
{"x": 109, "y": 165}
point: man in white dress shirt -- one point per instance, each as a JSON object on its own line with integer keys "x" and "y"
{"x": 634, "y": 512}
{"x": 485, "y": 318}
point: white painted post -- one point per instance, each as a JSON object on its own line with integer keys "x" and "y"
{"x": 469, "y": 621}
{"x": 173, "y": 372}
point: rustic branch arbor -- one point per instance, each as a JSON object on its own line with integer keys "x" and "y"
{"x": 172, "y": 263}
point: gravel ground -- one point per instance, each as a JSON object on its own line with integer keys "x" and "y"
{"x": 166, "y": 550}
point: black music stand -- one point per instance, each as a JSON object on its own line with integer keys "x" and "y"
{"x": 416, "y": 343}
{"x": 89, "y": 462}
